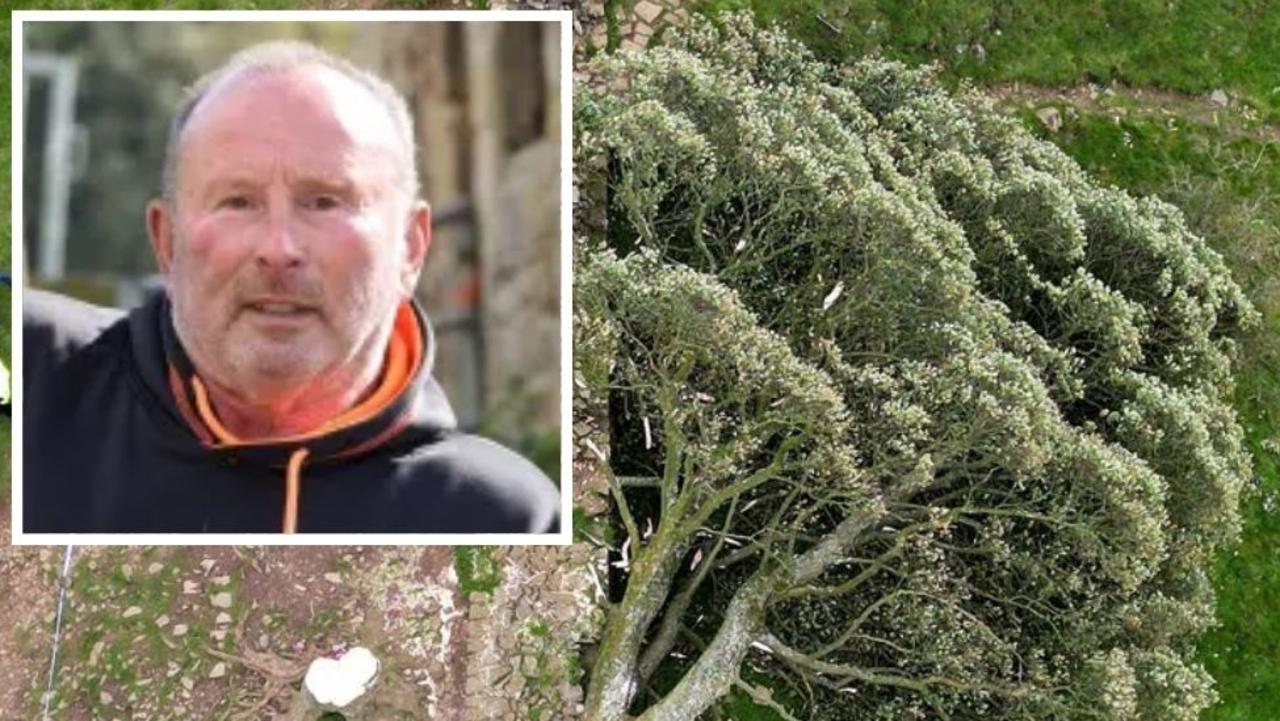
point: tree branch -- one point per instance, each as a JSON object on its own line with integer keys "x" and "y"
{"x": 624, "y": 510}
{"x": 613, "y": 682}
{"x": 713, "y": 674}
{"x": 764, "y": 697}
{"x": 832, "y": 548}
{"x": 669, "y": 628}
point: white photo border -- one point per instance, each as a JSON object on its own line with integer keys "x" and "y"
{"x": 564, "y": 18}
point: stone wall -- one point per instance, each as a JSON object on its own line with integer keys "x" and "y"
{"x": 485, "y": 99}
{"x": 523, "y": 645}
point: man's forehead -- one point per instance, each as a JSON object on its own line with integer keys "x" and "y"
{"x": 310, "y": 95}
{"x": 334, "y": 171}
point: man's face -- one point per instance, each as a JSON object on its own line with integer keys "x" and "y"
{"x": 292, "y": 240}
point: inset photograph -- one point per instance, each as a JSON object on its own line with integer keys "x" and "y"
{"x": 297, "y": 277}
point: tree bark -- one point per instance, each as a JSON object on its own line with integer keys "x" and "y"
{"x": 716, "y": 669}
{"x": 613, "y": 680}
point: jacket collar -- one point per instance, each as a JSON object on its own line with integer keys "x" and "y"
{"x": 414, "y": 408}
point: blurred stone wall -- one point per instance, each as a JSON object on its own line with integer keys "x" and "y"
{"x": 486, "y": 97}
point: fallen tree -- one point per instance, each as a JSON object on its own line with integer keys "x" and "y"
{"x": 909, "y": 417}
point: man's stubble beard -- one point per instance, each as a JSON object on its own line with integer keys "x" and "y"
{"x": 258, "y": 370}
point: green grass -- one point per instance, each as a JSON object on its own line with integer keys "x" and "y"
{"x": 1146, "y": 156}
{"x": 1242, "y": 653}
{"x": 1193, "y": 47}
{"x": 476, "y": 568}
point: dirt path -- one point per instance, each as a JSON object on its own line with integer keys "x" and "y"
{"x": 1233, "y": 118}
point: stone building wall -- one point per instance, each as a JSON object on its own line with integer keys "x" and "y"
{"x": 485, "y": 99}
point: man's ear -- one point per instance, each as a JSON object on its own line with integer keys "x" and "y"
{"x": 417, "y": 239}
{"x": 160, "y": 231}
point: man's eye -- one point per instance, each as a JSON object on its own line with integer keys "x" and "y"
{"x": 323, "y": 202}
{"x": 235, "y": 202}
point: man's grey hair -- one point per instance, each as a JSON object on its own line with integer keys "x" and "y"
{"x": 284, "y": 55}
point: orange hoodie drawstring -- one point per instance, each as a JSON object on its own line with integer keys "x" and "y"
{"x": 293, "y": 472}
{"x": 292, "y": 488}
{"x": 405, "y": 352}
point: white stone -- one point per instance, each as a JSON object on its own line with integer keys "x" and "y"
{"x": 1051, "y": 118}
{"x": 180, "y": 629}
{"x": 162, "y": 620}
{"x": 155, "y": 567}
{"x": 218, "y": 671}
{"x": 648, "y": 11}
{"x": 221, "y": 600}
{"x": 341, "y": 681}
{"x": 131, "y": 611}
{"x": 223, "y": 618}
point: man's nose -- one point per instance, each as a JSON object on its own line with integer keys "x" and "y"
{"x": 280, "y": 247}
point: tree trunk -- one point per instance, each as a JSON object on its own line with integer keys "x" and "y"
{"x": 613, "y": 680}
{"x": 716, "y": 669}
{"x": 713, "y": 674}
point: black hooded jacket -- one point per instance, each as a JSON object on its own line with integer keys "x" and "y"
{"x": 111, "y": 444}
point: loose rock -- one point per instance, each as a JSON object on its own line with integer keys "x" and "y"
{"x": 1051, "y": 118}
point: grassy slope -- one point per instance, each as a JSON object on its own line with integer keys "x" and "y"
{"x": 1227, "y": 182}
{"x": 1194, "y": 47}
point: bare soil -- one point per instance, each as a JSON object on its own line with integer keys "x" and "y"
{"x": 226, "y": 633}
{"x": 28, "y": 586}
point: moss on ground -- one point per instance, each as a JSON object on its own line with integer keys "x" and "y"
{"x": 138, "y": 623}
{"x": 477, "y": 569}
